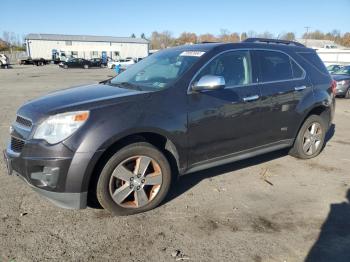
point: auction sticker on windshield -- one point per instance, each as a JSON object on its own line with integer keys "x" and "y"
{"x": 192, "y": 53}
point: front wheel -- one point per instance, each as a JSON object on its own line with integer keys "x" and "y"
{"x": 86, "y": 66}
{"x": 136, "y": 179}
{"x": 311, "y": 138}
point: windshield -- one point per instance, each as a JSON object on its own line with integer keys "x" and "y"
{"x": 159, "y": 70}
{"x": 343, "y": 71}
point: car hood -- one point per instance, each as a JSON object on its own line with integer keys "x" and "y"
{"x": 76, "y": 98}
{"x": 340, "y": 77}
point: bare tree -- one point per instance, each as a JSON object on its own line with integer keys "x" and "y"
{"x": 266, "y": 34}
{"x": 186, "y": 38}
{"x": 161, "y": 40}
{"x": 244, "y": 36}
{"x": 207, "y": 38}
{"x": 290, "y": 36}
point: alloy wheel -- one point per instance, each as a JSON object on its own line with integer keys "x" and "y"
{"x": 135, "y": 182}
{"x": 312, "y": 138}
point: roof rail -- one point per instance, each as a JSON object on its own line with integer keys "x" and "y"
{"x": 209, "y": 42}
{"x": 272, "y": 41}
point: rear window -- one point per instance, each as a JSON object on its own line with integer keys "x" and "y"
{"x": 315, "y": 60}
{"x": 274, "y": 66}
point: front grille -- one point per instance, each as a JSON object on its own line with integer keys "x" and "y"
{"x": 17, "y": 144}
{"x": 24, "y": 121}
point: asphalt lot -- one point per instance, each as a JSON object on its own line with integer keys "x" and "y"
{"x": 269, "y": 208}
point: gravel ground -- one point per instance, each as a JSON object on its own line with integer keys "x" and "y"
{"x": 268, "y": 208}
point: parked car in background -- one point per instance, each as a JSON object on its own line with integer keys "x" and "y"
{"x": 332, "y": 68}
{"x": 342, "y": 77}
{"x": 97, "y": 62}
{"x": 124, "y": 63}
{"x": 76, "y": 63}
{"x": 4, "y": 61}
{"x": 33, "y": 61}
{"x": 178, "y": 111}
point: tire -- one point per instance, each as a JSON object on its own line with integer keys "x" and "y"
{"x": 310, "y": 139}
{"x": 347, "y": 94}
{"x": 86, "y": 66}
{"x": 125, "y": 187}
{"x": 65, "y": 66}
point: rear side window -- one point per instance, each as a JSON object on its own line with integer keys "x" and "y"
{"x": 274, "y": 66}
{"x": 297, "y": 71}
{"x": 315, "y": 60}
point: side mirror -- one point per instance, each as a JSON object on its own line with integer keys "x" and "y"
{"x": 209, "y": 82}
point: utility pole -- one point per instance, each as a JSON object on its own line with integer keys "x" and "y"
{"x": 307, "y": 33}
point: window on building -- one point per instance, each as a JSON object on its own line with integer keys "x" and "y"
{"x": 68, "y": 42}
{"x": 74, "y": 53}
{"x": 94, "y": 54}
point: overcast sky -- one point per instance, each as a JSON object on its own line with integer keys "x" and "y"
{"x": 122, "y": 18}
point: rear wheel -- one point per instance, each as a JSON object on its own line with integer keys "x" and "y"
{"x": 136, "y": 179}
{"x": 310, "y": 139}
{"x": 86, "y": 66}
{"x": 65, "y": 66}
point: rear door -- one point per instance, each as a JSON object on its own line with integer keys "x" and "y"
{"x": 283, "y": 83}
{"x": 227, "y": 120}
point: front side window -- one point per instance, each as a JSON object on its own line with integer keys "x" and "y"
{"x": 274, "y": 66}
{"x": 234, "y": 67}
{"x": 158, "y": 71}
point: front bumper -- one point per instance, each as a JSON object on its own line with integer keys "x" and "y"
{"x": 46, "y": 175}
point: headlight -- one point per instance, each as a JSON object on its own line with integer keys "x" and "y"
{"x": 58, "y": 127}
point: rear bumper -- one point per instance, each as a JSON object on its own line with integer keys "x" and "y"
{"x": 341, "y": 90}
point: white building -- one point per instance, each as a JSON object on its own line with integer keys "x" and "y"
{"x": 85, "y": 46}
{"x": 328, "y": 51}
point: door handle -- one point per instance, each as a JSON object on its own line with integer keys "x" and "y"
{"x": 299, "y": 88}
{"x": 250, "y": 98}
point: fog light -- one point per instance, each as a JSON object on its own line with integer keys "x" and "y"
{"x": 48, "y": 177}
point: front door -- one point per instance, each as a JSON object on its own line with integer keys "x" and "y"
{"x": 227, "y": 120}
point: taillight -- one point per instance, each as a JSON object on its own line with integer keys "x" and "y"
{"x": 334, "y": 86}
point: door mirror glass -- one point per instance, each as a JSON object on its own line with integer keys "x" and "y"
{"x": 209, "y": 82}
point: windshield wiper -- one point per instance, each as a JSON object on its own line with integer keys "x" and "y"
{"x": 126, "y": 85}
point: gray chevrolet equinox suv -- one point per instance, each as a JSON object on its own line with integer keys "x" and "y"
{"x": 180, "y": 110}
